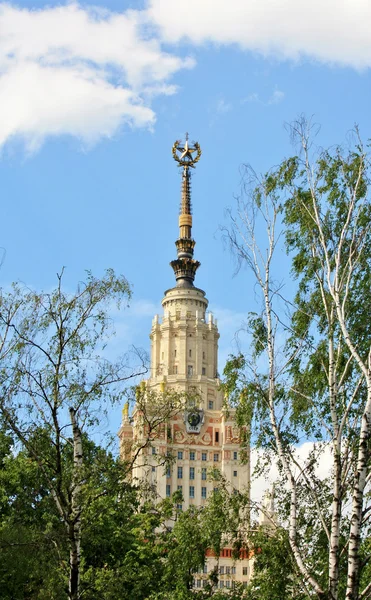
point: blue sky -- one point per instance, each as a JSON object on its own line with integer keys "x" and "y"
{"x": 92, "y": 98}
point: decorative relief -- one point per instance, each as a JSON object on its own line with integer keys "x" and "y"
{"x": 160, "y": 433}
{"x": 181, "y": 437}
{"x": 232, "y": 435}
{"x": 206, "y": 439}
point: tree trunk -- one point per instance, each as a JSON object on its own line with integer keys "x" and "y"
{"x": 74, "y": 529}
{"x": 352, "y": 592}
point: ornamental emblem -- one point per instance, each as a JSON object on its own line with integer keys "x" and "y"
{"x": 194, "y": 419}
{"x": 188, "y": 154}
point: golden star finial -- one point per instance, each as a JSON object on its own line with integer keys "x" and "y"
{"x": 183, "y": 154}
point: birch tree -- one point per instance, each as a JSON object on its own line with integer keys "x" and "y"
{"x": 314, "y": 382}
{"x": 56, "y": 377}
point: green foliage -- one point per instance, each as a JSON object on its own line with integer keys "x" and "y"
{"x": 274, "y": 569}
{"x": 307, "y": 375}
{"x": 56, "y": 382}
{"x": 31, "y": 535}
{"x": 128, "y": 549}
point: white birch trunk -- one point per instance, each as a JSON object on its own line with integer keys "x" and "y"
{"x": 333, "y": 563}
{"x": 271, "y": 351}
{"x": 74, "y": 526}
{"x": 339, "y": 276}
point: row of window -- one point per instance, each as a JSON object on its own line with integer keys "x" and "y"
{"x": 192, "y": 454}
{"x": 189, "y": 372}
{"x": 228, "y": 584}
{"x": 189, "y": 354}
{"x": 228, "y": 570}
{"x": 191, "y": 491}
{"x": 224, "y": 570}
{"x": 192, "y": 473}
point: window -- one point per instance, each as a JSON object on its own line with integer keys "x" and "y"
{"x": 180, "y": 454}
{"x": 168, "y": 473}
{"x": 179, "y": 506}
{"x": 211, "y": 404}
{"x": 228, "y": 584}
{"x": 221, "y": 571}
{"x": 204, "y": 583}
{"x": 217, "y": 436}
{"x": 203, "y": 473}
{"x": 167, "y": 490}
{"x": 190, "y": 371}
{"x": 203, "y": 493}
{"x": 204, "y": 355}
{"x": 180, "y": 488}
{"x": 228, "y": 570}
{"x": 233, "y": 570}
{"x": 244, "y": 570}
{"x": 221, "y": 584}
{"x": 191, "y": 472}
{"x": 153, "y": 469}
{"x": 216, "y": 457}
{"x": 234, "y": 473}
{"x": 190, "y": 353}
{"x": 180, "y": 472}
{"x": 235, "y": 455}
{"x": 205, "y": 569}
{"x": 153, "y": 450}
{"x": 175, "y": 353}
{"x": 198, "y": 582}
{"x": 191, "y": 455}
{"x": 191, "y": 491}
{"x": 204, "y": 456}
{"x": 203, "y": 371}
{"x": 175, "y": 369}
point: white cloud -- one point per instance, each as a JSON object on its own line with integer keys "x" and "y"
{"x": 223, "y": 107}
{"x": 37, "y": 101}
{"x": 78, "y": 71}
{"x": 276, "y": 97}
{"x": 253, "y": 97}
{"x": 263, "y": 483}
{"x": 331, "y": 32}
{"x": 87, "y": 71}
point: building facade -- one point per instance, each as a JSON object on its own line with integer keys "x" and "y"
{"x": 184, "y": 357}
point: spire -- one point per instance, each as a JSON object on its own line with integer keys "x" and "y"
{"x": 185, "y": 266}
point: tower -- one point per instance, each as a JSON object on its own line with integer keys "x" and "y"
{"x": 184, "y": 357}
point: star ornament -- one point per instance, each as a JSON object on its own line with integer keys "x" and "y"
{"x": 183, "y": 154}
